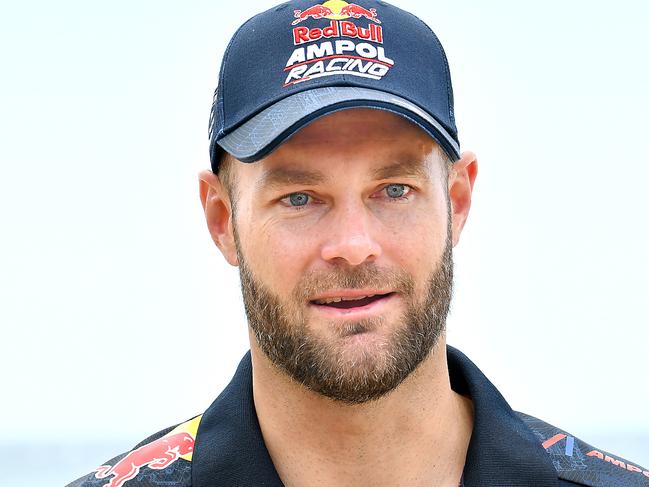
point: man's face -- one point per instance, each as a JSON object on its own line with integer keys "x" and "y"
{"x": 342, "y": 237}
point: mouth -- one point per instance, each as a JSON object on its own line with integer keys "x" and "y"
{"x": 348, "y": 302}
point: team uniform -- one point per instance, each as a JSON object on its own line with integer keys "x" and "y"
{"x": 224, "y": 446}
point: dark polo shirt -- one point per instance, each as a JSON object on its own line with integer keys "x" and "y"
{"x": 507, "y": 448}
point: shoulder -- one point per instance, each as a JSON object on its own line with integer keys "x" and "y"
{"x": 163, "y": 458}
{"x": 582, "y": 464}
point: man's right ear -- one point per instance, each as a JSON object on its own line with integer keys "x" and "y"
{"x": 218, "y": 214}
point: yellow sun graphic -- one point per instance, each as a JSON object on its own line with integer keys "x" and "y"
{"x": 336, "y": 6}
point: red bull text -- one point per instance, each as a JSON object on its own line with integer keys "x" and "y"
{"x": 338, "y": 28}
{"x": 340, "y": 54}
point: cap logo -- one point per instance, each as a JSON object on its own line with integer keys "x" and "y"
{"x": 336, "y": 10}
{"x": 339, "y": 55}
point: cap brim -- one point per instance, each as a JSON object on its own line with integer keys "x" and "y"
{"x": 260, "y": 135}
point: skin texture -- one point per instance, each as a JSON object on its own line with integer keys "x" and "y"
{"x": 351, "y": 238}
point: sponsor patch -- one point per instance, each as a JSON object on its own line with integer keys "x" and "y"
{"x": 337, "y": 47}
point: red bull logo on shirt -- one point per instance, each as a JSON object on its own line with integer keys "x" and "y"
{"x": 157, "y": 455}
{"x": 336, "y": 55}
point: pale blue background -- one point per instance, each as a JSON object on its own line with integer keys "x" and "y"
{"x": 118, "y": 315}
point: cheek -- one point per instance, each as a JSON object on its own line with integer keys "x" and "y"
{"x": 417, "y": 246}
{"x": 417, "y": 240}
{"x": 278, "y": 253}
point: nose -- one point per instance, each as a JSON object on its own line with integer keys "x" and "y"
{"x": 349, "y": 236}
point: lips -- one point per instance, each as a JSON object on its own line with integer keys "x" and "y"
{"x": 348, "y": 302}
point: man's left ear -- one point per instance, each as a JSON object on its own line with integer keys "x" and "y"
{"x": 218, "y": 214}
{"x": 460, "y": 187}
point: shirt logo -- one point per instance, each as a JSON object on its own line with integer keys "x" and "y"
{"x": 156, "y": 455}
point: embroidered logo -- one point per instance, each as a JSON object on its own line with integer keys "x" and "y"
{"x": 335, "y": 49}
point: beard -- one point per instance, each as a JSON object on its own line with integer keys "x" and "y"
{"x": 352, "y": 375}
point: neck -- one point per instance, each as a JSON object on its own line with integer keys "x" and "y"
{"x": 417, "y": 434}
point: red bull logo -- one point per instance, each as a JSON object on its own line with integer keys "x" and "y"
{"x": 159, "y": 454}
{"x": 356, "y": 11}
{"x": 337, "y": 56}
{"x": 315, "y": 12}
{"x": 335, "y": 9}
{"x": 338, "y": 28}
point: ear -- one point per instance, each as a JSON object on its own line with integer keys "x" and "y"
{"x": 460, "y": 188}
{"x": 218, "y": 214}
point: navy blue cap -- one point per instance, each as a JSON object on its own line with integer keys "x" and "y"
{"x": 301, "y": 60}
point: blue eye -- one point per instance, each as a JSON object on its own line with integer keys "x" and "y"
{"x": 298, "y": 199}
{"x": 396, "y": 190}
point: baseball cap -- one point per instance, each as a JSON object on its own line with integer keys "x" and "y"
{"x": 296, "y": 62}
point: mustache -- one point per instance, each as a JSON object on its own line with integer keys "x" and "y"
{"x": 367, "y": 275}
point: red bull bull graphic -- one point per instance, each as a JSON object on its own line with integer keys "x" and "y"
{"x": 356, "y": 11}
{"x": 315, "y": 12}
{"x": 337, "y": 10}
{"x": 337, "y": 55}
{"x": 157, "y": 455}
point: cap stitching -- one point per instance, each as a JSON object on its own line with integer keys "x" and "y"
{"x": 225, "y": 60}
{"x": 449, "y": 92}
{"x": 226, "y": 57}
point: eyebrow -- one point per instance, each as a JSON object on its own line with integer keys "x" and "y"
{"x": 285, "y": 176}
{"x": 414, "y": 169}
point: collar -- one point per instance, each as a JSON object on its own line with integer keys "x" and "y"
{"x": 503, "y": 451}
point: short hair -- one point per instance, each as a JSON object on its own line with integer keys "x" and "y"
{"x": 448, "y": 165}
{"x": 224, "y": 170}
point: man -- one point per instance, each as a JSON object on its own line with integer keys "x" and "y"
{"x": 339, "y": 190}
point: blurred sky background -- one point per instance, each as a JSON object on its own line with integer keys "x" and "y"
{"x": 119, "y": 317}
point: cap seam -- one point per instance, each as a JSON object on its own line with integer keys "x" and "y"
{"x": 226, "y": 56}
{"x": 221, "y": 71}
{"x": 449, "y": 94}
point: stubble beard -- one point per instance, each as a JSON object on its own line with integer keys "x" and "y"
{"x": 325, "y": 366}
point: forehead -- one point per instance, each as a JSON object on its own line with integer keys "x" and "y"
{"x": 366, "y": 138}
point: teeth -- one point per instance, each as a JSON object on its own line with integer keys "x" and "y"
{"x": 339, "y": 299}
